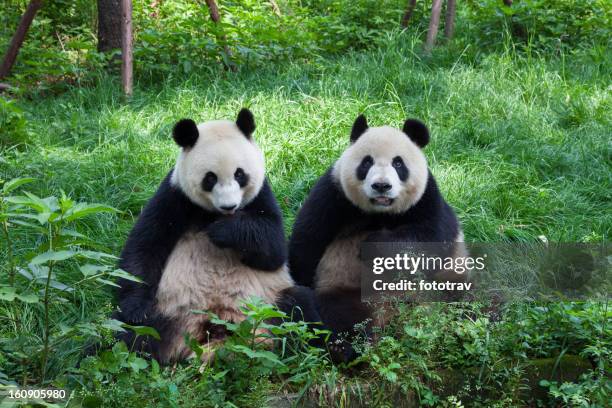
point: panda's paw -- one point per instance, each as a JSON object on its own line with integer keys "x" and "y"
{"x": 220, "y": 234}
{"x": 341, "y": 351}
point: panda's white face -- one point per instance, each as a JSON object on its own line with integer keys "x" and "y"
{"x": 223, "y": 170}
{"x": 383, "y": 171}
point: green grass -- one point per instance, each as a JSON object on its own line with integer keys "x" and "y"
{"x": 521, "y": 144}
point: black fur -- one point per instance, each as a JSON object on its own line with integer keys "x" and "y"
{"x": 185, "y": 133}
{"x": 364, "y": 167}
{"x": 241, "y": 177}
{"x": 326, "y": 213}
{"x": 209, "y": 181}
{"x": 359, "y": 127}
{"x": 246, "y": 122}
{"x": 299, "y": 303}
{"x": 400, "y": 168}
{"x": 256, "y": 231}
{"x": 417, "y": 131}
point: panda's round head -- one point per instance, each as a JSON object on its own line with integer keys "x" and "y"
{"x": 219, "y": 168}
{"x": 384, "y": 169}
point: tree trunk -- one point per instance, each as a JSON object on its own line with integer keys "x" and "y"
{"x": 408, "y": 12}
{"x": 449, "y": 22}
{"x": 434, "y": 23}
{"x": 109, "y": 25}
{"x": 18, "y": 37}
{"x": 213, "y": 9}
{"x": 126, "y": 46}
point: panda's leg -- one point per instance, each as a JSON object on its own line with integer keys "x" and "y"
{"x": 299, "y": 303}
{"x": 171, "y": 346}
{"x": 148, "y": 344}
{"x": 342, "y": 310}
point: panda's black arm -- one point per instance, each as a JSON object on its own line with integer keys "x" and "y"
{"x": 256, "y": 231}
{"x": 159, "y": 226}
{"x": 319, "y": 220}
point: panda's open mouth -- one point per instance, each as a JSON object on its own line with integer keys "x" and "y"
{"x": 382, "y": 201}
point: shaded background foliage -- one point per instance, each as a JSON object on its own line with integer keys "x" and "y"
{"x": 174, "y": 38}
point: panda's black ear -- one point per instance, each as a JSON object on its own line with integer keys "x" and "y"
{"x": 185, "y": 133}
{"x": 417, "y": 132}
{"x": 359, "y": 127}
{"x": 246, "y": 122}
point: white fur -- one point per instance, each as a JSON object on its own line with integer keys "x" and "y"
{"x": 340, "y": 266}
{"x": 221, "y": 148}
{"x": 383, "y": 144}
{"x": 201, "y": 276}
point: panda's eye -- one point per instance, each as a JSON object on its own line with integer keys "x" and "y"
{"x": 400, "y": 168}
{"x": 364, "y": 167}
{"x": 241, "y": 177}
{"x": 209, "y": 181}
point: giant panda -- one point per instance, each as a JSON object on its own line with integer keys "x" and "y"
{"x": 211, "y": 236}
{"x": 379, "y": 190}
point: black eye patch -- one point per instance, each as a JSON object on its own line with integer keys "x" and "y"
{"x": 241, "y": 177}
{"x": 364, "y": 167}
{"x": 209, "y": 181}
{"x": 400, "y": 167}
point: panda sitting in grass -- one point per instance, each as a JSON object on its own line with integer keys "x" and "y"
{"x": 211, "y": 236}
{"x": 380, "y": 190}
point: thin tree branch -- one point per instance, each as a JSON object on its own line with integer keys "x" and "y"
{"x": 19, "y": 37}
{"x": 434, "y": 23}
{"x": 449, "y": 22}
{"x": 408, "y": 12}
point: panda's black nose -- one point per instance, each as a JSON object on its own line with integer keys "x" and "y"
{"x": 381, "y": 187}
{"x": 228, "y": 207}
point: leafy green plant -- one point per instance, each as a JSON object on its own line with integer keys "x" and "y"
{"x": 592, "y": 391}
{"x": 119, "y": 377}
{"x": 48, "y": 274}
{"x": 6, "y": 214}
{"x": 247, "y": 356}
{"x": 551, "y": 24}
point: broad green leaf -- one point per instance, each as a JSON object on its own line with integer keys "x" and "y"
{"x": 46, "y": 205}
{"x": 43, "y": 217}
{"x": 261, "y": 354}
{"x": 73, "y": 233}
{"x": 89, "y": 269}
{"x": 28, "y": 298}
{"x": 7, "y": 293}
{"x": 96, "y": 256}
{"x": 120, "y": 273}
{"x": 29, "y": 225}
{"x": 82, "y": 210}
{"x": 60, "y": 286}
{"x": 138, "y": 363}
{"x": 34, "y": 272}
{"x": 143, "y": 331}
{"x": 15, "y": 183}
{"x": 53, "y": 256}
{"x": 113, "y": 324}
{"x": 107, "y": 282}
